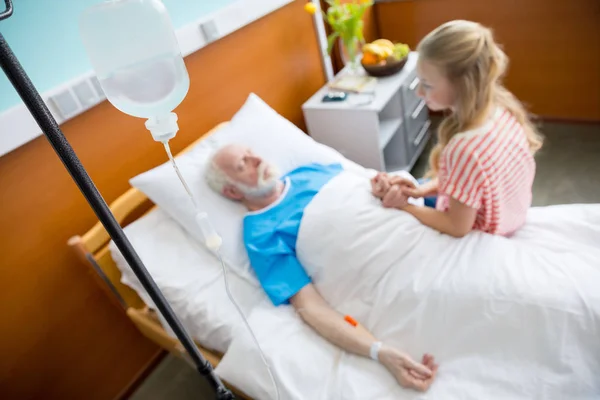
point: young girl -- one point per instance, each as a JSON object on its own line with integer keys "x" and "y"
{"x": 482, "y": 164}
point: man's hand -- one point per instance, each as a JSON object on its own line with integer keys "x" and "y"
{"x": 408, "y": 373}
{"x": 380, "y": 184}
{"x": 394, "y": 191}
{"x": 395, "y": 198}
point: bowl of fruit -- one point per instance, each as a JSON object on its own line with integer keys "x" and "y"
{"x": 383, "y": 58}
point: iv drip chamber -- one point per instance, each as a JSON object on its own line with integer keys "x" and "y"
{"x": 211, "y": 237}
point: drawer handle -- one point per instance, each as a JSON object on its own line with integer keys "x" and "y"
{"x": 421, "y": 134}
{"x": 414, "y": 83}
{"x": 418, "y": 110}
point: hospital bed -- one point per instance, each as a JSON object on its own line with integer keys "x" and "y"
{"x": 152, "y": 233}
{"x": 484, "y": 289}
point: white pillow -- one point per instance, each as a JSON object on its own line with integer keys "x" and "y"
{"x": 189, "y": 277}
{"x": 270, "y": 135}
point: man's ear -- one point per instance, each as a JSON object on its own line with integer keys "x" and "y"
{"x": 233, "y": 193}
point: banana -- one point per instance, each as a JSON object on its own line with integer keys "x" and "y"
{"x": 387, "y": 52}
{"x": 375, "y": 49}
{"x": 384, "y": 43}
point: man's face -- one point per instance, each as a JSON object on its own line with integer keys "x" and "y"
{"x": 250, "y": 175}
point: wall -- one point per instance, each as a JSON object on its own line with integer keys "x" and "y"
{"x": 60, "y": 68}
{"x": 554, "y": 46}
{"x": 61, "y": 338}
{"x": 50, "y": 25}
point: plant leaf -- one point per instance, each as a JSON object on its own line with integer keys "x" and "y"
{"x": 359, "y": 31}
{"x": 331, "y": 40}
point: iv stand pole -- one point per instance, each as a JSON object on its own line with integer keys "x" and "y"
{"x": 38, "y": 109}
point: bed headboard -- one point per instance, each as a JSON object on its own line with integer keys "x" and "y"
{"x": 92, "y": 246}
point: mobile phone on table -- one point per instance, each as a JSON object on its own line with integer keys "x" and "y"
{"x": 334, "y": 96}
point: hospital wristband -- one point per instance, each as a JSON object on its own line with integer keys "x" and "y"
{"x": 374, "y": 352}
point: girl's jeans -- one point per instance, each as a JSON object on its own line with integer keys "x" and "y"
{"x": 429, "y": 201}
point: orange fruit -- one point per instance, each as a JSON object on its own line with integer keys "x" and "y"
{"x": 369, "y": 59}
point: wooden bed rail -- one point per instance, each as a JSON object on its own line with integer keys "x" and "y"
{"x": 106, "y": 273}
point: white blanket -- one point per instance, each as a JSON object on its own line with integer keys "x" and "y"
{"x": 514, "y": 318}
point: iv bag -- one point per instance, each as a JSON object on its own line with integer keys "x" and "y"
{"x": 134, "y": 52}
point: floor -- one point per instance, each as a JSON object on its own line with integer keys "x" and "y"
{"x": 568, "y": 171}
{"x": 174, "y": 379}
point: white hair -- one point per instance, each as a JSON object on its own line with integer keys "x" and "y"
{"x": 218, "y": 179}
{"x": 214, "y": 175}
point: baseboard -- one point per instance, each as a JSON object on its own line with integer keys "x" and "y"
{"x": 559, "y": 120}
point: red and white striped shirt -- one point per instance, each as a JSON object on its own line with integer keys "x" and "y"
{"x": 491, "y": 169}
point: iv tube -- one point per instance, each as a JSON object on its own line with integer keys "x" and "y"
{"x": 211, "y": 237}
{"x": 213, "y": 242}
{"x": 241, "y": 313}
{"x": 183, "y": 182}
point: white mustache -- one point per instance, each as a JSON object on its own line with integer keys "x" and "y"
{"x": 264, "y": 186}
{"x": 263, "y": 167}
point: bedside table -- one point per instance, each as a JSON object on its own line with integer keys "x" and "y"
{"x": 388, "y": 133}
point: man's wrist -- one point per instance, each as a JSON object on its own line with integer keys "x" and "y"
{"x": 374, "y": 350}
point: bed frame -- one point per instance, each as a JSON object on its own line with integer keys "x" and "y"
{"x": 92, "y": 249}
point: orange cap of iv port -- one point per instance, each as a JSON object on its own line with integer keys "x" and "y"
{"x": 350, "y": 320}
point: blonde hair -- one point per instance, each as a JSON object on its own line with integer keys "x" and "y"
{"x": 468, "y": 56}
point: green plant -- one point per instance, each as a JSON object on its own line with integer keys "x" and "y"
{"x": 346, "y": 21}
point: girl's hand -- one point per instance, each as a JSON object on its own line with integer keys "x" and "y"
{"x": 380, "y": 184}
{"x": 407, "y": 186}
{"x": 415, "y": 193}
{"x": 395, "y": 198}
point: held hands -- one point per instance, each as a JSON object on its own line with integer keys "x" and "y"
{"x": 408, "y": 373}
{"x": 394, "y": 191}
{"x": 380, "y": 185}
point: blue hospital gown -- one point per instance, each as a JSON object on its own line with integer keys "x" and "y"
{"x": 270, "y": 234}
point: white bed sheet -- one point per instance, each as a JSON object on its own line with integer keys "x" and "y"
{"x": 190, "y": 278}
{"x": 511, "y": 318}
{"x": 427, "y": 301}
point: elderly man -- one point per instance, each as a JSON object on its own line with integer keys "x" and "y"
{"x": 275, "y": 208}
